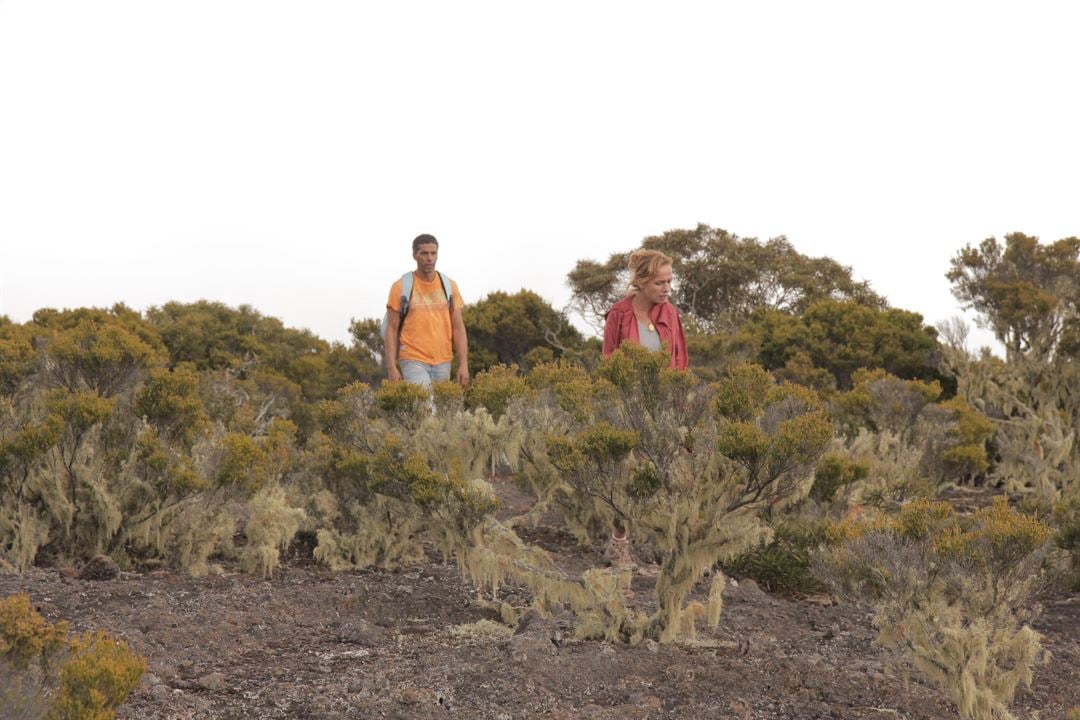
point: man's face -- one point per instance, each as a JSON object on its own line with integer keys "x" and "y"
{"x": 425, "y": 256}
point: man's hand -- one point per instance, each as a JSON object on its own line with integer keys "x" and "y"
{"x": 463, "y": 375}
{"x": 393, "y": 373}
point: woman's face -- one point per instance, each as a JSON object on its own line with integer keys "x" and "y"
{"x": 657, "y": 288}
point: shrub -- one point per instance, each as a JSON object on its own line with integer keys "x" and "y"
{"x": 97, "y": 677}
{"x": 1066, "y": 519}
{"x": 693, "y": 469}
{"x": 784, "y": 563}
{"x": 271, "y": 526}
{"x": 834, "y": 471}
{"x": 25, "y": 636}
{"x": 494, "y": 388}
{"x": 950, "y": 595}
{"x": 403, "y": 403}
{"x": 86, "y": 677}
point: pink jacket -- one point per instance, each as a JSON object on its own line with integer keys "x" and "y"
{"x": 622, "y": 325}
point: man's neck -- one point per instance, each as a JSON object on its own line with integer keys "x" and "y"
{"x": 426, "y": 277}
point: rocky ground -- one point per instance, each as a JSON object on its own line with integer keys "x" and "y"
{"x": 310, "y": 643}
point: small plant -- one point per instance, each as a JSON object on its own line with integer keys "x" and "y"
{"x": 84, "y": 678}
{"x": 97, "y": 677}
{"x": 834, "y": 471}
{"x": 493, "y": 389}
{"x": 784, "y": 563}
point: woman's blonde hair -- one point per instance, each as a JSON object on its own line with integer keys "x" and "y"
{"x": 644, "y": 265}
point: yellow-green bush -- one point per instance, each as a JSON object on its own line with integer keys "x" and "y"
{"x": 834, "y": 471}
{"x": 951, "y": 595}
{"x": 690, "y": 468}
{"x": 96, "y": 678}
{"x": 25, "y": 636}
{"x": 86, "y": 677}
{"x": 494, "y": 388}
{"x": 403, "y": 403}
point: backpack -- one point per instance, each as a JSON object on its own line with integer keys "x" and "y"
{"x": 406, "y": 297}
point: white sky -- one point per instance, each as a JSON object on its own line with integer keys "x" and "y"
{"x": 284, "y": 154}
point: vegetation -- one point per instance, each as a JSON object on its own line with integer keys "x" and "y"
{"x": 49, "y": 675}
{"x": 807, "y": 445}
{"x": 520, "y": 329}
{"x": 951, "y": 595}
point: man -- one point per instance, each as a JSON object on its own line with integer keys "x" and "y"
{"x": 419, "y": 347}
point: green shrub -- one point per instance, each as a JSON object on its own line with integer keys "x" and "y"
{"x": 784, "y": 564}
{"x": 1066, "y": 519}
{"x": 403, "y": 403}
{"x": 25, "y": 636}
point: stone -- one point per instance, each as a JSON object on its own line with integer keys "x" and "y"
{"x": 101, "y": 567}
{"x": 361, "y": 633}
{"x": 213, "y": 681}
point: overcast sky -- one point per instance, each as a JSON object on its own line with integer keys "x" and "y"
{"x": 284, "y": 154}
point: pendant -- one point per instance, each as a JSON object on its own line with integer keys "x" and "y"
{"x": 652, "y": 328}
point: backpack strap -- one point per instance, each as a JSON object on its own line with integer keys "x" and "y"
{"x": 448, "y": 289}
{"x": 406, "y": 294}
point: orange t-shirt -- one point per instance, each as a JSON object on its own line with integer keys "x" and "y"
{"x": 427, "y": 334}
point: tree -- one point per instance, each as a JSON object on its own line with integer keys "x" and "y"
{"x": 214, "y": 336}
{"x": 841, "y": 337}
{"x": 1027, "y": 293}
{"x": 721, "y": 279}
{"x": 511, "y": 329}
{"x": 16, "y": 354}
{"x": 101, "y": 350}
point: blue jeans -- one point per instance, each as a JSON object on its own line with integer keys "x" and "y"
{"x": 419, "y": 373}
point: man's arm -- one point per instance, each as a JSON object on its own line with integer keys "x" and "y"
{"x": 393, "y": 326}
{"x": 461, "y": 345}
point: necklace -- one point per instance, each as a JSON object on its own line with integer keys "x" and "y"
{"x": 648, "y": 320}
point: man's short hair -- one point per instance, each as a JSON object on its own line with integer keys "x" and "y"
{"x": 424, "y": 239}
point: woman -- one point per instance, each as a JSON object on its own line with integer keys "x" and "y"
{"x": 644, "y": 316}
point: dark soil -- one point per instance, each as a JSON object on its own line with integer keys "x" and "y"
{"x": 413, "y": 644}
